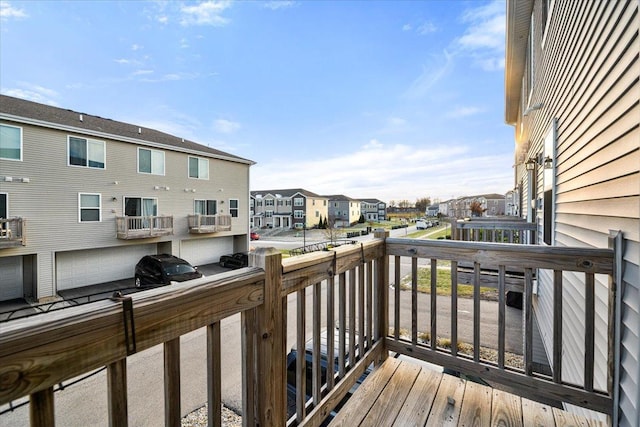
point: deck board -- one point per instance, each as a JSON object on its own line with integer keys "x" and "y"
{"x": 403, "y": 393}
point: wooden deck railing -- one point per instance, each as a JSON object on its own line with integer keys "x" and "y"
{"x": 209, "y": 223}
{"x": 12, "y": 232}
{"x": 143, "y": 227}
{"x": 345, "y": 290}
{"x": 494, "y": 230}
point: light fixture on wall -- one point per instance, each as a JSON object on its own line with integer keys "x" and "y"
{"x": 548, "y": 162}
{"x": 532, "y": 108}
{"x": 114, "y": 198}
{"x": 530, "y": 164}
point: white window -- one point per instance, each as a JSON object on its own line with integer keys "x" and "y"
{"x": 150, "y": 161}
{"x": 206, "y": 207}
{"x": 268, "y": 214}
{"x": 89, "y": 207}
{"x": 298, "y": 214}
{"x": 234, "y": 207}
{"x": 10, "y": 142}
{"x": 140, "y": 206}
{"x": 85, "y": 152}
{"x": 268, "y": 202}
{"x": 298, "y": 201}
{"x": 198, "y": 168}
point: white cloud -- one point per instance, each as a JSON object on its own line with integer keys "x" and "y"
{"x": 170, "y": 77}
{"x": 163, "y": 19}
{"x": 122, "y": 61}
{"x": 391, "y": 172}
{"x": 136, "y": 47}
{"x": 407, "y": 27}
{"x": 426, "y": 28}
{"x": 484, "y": 38}
{"x": 431, "y": 74}
{"x": 205, "y": 13}
{"x": 8, "y": 11}
{"x": 464, "y": 112}
{"x": 184, "y": 43}
{"x": 142, "y": 72}
{"x": 225, "y": 126}
{"x": 278, "y": 4}
{"x": 33, "y": 93}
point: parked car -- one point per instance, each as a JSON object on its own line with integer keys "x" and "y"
{"x": 234, "y": 261}
{"x": 255, "y": 236}
{"x": 163, "y": 269}
{"x": 421, "y": 225}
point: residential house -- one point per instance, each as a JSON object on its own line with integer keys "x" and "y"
{"x": 287, "y": 208}
{"x": 512, "y": 202}
{"x": 572, "y": 91}
{"x": 433, "y": 210}
{"x": 373, "y": 210}
{"x": 343, "y": 211}
{"x": 84, "y": 198}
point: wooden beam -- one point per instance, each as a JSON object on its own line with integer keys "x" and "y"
{"x": 172, "y": 415}
{"x": 214, "y": 376}
{"x": 41, "y": 408}
{"x": 117, "y": 393}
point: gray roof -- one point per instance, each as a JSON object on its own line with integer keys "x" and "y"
{"x": 340, "y": 198}
{"x": 290, "y": 192}
{"x": 17, "y": 109}
{"x": 371, "y": 200}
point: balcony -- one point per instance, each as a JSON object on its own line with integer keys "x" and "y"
{"x": 143, "y": 227}
{"x": 349, "y": 290}
{"x": 201, "y": 224}
{"x": 12, "y": 232}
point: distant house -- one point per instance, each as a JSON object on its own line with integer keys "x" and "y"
{"x": 572, "y": 94}
{"x": 433, "y": 210}
{"x": 343, "y": 211}
{"x": 287, "y": 208}
{"x": 83, "y": 198}
{"x": 490, "y": 204}
{"x": 373, "y": 209}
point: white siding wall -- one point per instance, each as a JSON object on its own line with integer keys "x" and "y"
{"x": 587, "y": 76}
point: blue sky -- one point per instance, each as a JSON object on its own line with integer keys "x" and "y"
{"x": 391, "y": 100}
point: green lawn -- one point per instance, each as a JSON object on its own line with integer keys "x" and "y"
{"x": 443, "y": 285}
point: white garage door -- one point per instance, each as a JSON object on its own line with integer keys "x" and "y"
{"x": 205, "y": 251}
{"x": 88, "y": 267}
{"x": 10, "y": 278}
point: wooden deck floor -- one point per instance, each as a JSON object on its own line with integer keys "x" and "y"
{"x": 402, "y": 393}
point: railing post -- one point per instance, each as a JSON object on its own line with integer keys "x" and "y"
{"x": 382, "y": 295}
{"x": 271, "y": 330}
{"x": 616, "y": 291}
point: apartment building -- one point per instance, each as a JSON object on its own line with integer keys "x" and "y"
{"x": 373, "y": 209}
{"x": 343, "y": 211}
{"x": 287, "y": 208}
{"x": 83, "y": 198}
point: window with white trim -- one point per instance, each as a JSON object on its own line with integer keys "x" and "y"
{"x": 85, "y": 152}
{"x": 150, "y": 161}
{"x": 298, "y": 214}
{"x": 548, "y": 181}
{"x": 234, "y": 205}
{"x": 298, "y": 201}
{"x": 10, "y": 142}
{"x": 268, "y": 202}
{"x": 205, "y": 207}
{"x": 198, "y": 168}
{"x": 89, "y": 207}
{"x": 140, "y": 206}
{"x": 268, "y": 214}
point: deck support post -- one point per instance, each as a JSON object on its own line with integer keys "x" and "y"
{"x": 271, "y": 341}
{"x": 381, "y": 293}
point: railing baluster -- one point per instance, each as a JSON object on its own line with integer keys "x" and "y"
{"x": 454, "y": 308}
{"x": 41, "y": 408}
{"x": 414, "y": 301}
{"x": 369, "y": 289}
{"x": 352, "y": 318}
{"x": 396, "y": 299}
{"x": 301, "y": 362}
{"x": 117, "y": 391}
{"x": 361, "y": 304}
{"x": 316, "y": 366}
{"x": 331, "y": 329}
{"x": 434, "y": 306}
{"x": 501, "y": 316}
{"x": 476, "y": 312}
{"x": 557, "y": 326}
{"x": 249, "y": 363}
{"x": 528, "y": 321}
{"x": 589, "y": 330}
{"x": 342, "y": 320}
{"x": 172, "y": 414}
{"x": 214, "y": 376}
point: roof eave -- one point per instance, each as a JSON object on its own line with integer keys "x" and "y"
{"x": 517, "y": 32}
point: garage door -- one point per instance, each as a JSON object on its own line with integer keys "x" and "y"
{"x": 10, "y": 278}
{"x": 88, "y": 267}
{"x": 205, "y": 251}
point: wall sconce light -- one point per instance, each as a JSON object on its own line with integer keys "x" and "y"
{"x": 114, "y": 198}
{"x": 186, "y": 190}
{"x": 222, "y": 202}
{"x": 156, "y": 187}
{"x": 548, "y": 162}
{"x": 193, "y": 191}
{"x": 115, "y": 183}
{"x": 530, "y": 164}
{"x": 166, "y": 188}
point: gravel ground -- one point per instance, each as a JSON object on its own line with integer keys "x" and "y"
{"x": 198, "y": 418}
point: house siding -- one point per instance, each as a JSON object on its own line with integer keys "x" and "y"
{"x": 48, "y": 202}
{"x": 587, "y": 78}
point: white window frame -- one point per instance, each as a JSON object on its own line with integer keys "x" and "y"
{"x": 206, "y": 201}
{"x": 152, "y": 151}
{"x": 549, "y": 179}
{"x": 298, "y": 214}
{"x": 268, "y": 202}
{"x": 236, "y": 209}
{"x": 298, "y": 201}
{"x": 202, "y": 164}
{"x": 89, "y": 143}
{"x": 21, "y": 143}
{"x": 268, "y": 214}
{"x": 7, "y": 202}
{"x": 81, "y": 208}
{"x": 546, "y": 23}
{"x": 531, "y": 81}
{"x": 142, "y": 199}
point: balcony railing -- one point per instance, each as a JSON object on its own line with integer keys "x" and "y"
{"x": 143, "y": 227}
{"x": 209, "y": 223}
{"x": 501, "y": 230}
{"x": 12, "y": 232}
{"x": 349, "y": 291}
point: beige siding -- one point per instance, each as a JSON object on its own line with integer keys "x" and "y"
{"x": 49, "y": 201}
{"x": 587, "y": 77}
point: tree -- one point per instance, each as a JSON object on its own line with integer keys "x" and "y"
{"x": 361, "y": 219}
{"x": 421, "y": 204}
{"x": 404, "y": 204}
{"x": 331, "y": 232}
{"x": 476, "y": 208}
{"x": 392, "y": 203}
